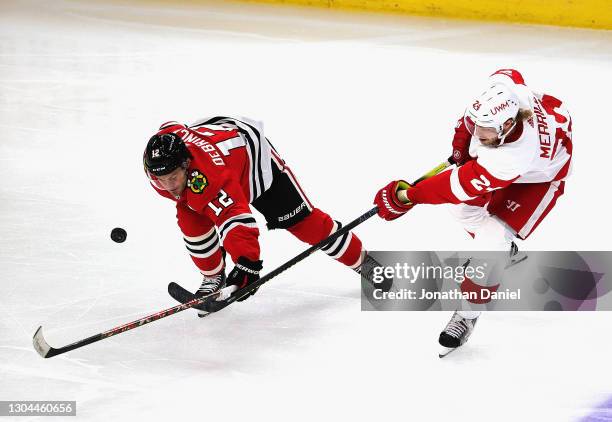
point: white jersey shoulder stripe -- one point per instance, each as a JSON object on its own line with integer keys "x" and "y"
{"x": 456, "y": 187}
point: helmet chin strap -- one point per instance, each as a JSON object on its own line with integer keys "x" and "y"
{"x": 502, "y": 138}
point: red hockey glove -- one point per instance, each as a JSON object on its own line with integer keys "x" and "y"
{"x": 389, "y": 205}
{"x": 245, "y": 272}
{"x": 461, "y": 144}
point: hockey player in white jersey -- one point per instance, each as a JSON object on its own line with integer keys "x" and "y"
{"x": 512, "y": 149}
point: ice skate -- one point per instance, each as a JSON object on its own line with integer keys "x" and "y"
{"x": 209, "y": 285}
{"x": 456, "y": 333}
{"x": 516, "y": 256}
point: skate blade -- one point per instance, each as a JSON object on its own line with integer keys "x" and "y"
{"x": 203, "y": 314}
{"x": 517, "y": 260}
{"x": 446, "y": 351}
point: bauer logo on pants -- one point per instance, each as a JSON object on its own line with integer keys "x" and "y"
{"x": 197, "y": 181}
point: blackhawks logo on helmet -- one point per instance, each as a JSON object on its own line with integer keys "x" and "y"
{"x": 197, "y": 181}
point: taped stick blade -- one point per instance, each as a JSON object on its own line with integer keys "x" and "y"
{"x": 40, "y": 344}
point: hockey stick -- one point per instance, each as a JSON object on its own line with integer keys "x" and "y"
{"x": 236, "y": 294}
{"x": 46, "y": 351}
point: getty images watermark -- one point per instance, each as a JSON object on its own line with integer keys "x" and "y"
{"x": 450, "y": 280}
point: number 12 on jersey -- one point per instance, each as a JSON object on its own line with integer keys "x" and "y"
{"x": 224, "y": 201}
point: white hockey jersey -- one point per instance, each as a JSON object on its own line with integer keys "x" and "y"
{"x": 537, "y": 150}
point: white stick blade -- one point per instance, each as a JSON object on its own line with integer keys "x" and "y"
{"x": 40, "y": 344}
{"x": 226, "y": 292}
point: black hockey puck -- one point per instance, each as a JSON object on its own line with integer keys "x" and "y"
{"x": 118, "y": 235}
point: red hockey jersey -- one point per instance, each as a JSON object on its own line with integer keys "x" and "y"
{"x": 230, "y": 168}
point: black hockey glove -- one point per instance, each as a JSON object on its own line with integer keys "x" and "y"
{"x": 245, "y": 272}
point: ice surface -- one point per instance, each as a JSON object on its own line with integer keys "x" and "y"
{"x": 350, "y": 101}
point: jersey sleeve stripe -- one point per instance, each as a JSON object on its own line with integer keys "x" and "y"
{"x": 246, "y": 220}
{"x": 204, "y": 252}
{"x": 200, "y": 240}
{"x": 202, "y": 246}
{"x": 456, "y": 187}
{"x": 248, "y": 224}
{"x": 223, "y": 225}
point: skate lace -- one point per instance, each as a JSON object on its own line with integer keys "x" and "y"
{"x": 456, "y": 327}
{"x": 210, "y": 284}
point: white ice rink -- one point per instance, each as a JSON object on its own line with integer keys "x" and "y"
{"x": 351, "y": 101}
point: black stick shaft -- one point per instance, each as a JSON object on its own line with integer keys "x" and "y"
{"x": 331, "y": 238}
{"x": 340, "y": 232}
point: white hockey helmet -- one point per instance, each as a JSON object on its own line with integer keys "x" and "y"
{"x": 492, "y": 109}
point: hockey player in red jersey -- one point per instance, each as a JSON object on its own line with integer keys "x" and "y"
{"x": 214, "y": 169}
{"x": 512, "y": 149}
